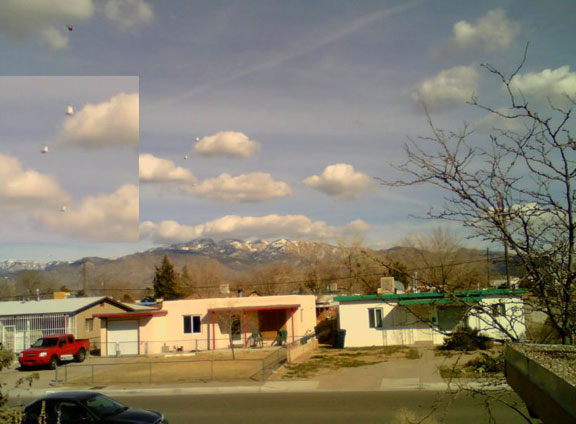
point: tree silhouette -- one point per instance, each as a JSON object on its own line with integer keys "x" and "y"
{"x": 165, "y": 277}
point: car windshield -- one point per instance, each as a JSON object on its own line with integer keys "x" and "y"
{"x": 50, "y": 342}
{"x": 102, "y": 406}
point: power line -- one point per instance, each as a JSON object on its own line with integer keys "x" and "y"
{"x": 285, "y": 283}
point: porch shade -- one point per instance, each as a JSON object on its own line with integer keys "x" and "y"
{"x": 438, "y": 301}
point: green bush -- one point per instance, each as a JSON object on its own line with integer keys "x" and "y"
{"x": 467, "y": 339}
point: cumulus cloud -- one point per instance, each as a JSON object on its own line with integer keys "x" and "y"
{"x": 490, "y": 32}
{"x": 553, "y": 84}
{"x": 114, "y": 123}
{"x": 234, "y": 226}
{"x": 43, "y": 19}
{"x": 254, "y": 187}
{"x": 27, "y": 189}
{"x": 341, "y": 181}
{"x": 450, "y": 88}
{"x": 103, "y": 217}
{"x": 128, "y": 14}
{"x": 227, "y": 144}
{"x": 493, "y": 121}
{"x": 158, "y": 170}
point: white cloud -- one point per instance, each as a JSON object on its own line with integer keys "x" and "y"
{"x": 114, "y": 123}
{"x": 234, "y": 226}
{"x": 45, "y": 19}
{"x": 493, "y": 121}
{"x": 227, "y": 144}
{"x": 450, "y": 88}
{"x": 341, "y": 181}
{"x": 128, "y": 14}
{"x": 158, "y": 170}
{"x": 102, "y": 217}
{"x": 553, "y": 84}
{"x": 26, "y": 188}
{"x": 491, "y": 32}
{"x": 253, "y": 187}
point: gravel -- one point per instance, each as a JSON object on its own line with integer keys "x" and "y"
{"x": 559, "y": 359}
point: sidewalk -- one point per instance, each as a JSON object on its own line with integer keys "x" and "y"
{"x": 395, "y": 375}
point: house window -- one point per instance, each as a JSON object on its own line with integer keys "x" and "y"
{"x": 89, "y": 324}
{"x": 498, "y": 310}
{"x": 375, "y": 317}
{"x": 192, "y": 324}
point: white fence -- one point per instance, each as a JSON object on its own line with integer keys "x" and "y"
{"x": 18, "y": 332}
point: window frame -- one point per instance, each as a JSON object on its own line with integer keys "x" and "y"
{"x": 375, "y": 318}
{"x": 194, "y": 324}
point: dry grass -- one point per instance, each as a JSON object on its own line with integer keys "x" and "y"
{"x": 327, "y": 360}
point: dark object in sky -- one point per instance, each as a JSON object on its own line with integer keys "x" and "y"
{"x": 70, "y": 27}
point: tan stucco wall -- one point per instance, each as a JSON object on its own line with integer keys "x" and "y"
{"x": 166, "y": 333}
{"x": 94, "y": 335}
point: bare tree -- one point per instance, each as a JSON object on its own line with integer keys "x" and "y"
{"x": 443, "y": 262}
{"x": 517, "y": 190}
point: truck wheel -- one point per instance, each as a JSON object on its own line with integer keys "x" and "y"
{"x": 53, "y": 364}
{"x": 80, "y": 356}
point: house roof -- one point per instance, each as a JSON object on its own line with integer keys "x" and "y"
{"x": 135, "y": 314}
{"x": 55, "y": 306}
{"x": 464, "y": 295}
{"x": 253, "y": 308}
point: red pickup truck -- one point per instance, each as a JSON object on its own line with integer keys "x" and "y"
{"x": 50, "y": 350}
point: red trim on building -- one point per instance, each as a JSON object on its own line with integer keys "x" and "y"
{"x": 132, "y": 314}
{"x": 254, "y": 308}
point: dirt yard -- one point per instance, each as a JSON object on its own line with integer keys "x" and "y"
{"x": 176, "y": 368}
{"x": 326, "y": 360}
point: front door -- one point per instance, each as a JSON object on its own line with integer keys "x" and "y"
{"x": 271, "y": 322}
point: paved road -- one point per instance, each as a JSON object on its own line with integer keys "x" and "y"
{"x": 316, "y": 407}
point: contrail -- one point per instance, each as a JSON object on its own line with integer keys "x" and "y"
{"x": 283, "y": 57}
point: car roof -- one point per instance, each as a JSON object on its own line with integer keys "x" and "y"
{"x": 76, "y": 395}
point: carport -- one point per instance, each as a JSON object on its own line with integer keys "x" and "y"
{"x": 269, "y": 319}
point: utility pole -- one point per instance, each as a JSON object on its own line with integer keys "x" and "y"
{"x": 84, "y": 277}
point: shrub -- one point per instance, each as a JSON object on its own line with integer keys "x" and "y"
{"x": 465, "y": 340}
{"x": 412, "y": 354}
{"x": 486, "y": 363}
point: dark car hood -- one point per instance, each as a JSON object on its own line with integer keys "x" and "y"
{"x": 134, "y": 416}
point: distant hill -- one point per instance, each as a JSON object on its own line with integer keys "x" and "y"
{"x": 209, "y": 262}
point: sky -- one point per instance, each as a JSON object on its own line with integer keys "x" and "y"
{"x": 246, "y": 119}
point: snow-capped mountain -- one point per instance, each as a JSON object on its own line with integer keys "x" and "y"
{"x": 11, "y": 266}
{"x": 252, "y": 251}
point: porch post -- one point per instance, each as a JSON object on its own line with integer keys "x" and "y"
{"x": 244, "y": 319}
{"x": 213, "y": 330}
{"x": 292, "y": 322}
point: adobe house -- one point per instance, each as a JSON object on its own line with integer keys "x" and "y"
{"x": 207, "y": 324}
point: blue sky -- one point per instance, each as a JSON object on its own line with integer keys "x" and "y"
{"x": 297, "y": 106}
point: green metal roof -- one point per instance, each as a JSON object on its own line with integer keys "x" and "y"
{"x": 442, "y": 301}
{"x": 431, "y": 295}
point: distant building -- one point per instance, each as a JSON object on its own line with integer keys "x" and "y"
{"x": 409, "y": 318}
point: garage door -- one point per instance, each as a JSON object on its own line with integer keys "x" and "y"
{"x": 123, "y": 337}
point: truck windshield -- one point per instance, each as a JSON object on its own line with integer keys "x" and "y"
{"x": 51, "y": 342}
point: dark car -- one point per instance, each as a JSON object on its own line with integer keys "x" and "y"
{"x": 86, "y": 407}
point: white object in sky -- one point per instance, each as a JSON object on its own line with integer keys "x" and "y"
{"x": 64, "y": 208}
{"x": 185, "y": 157}
{"x": 197, "y": 139}
{"x": 69, "y": 110}
{"x": 45, "y": 149}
